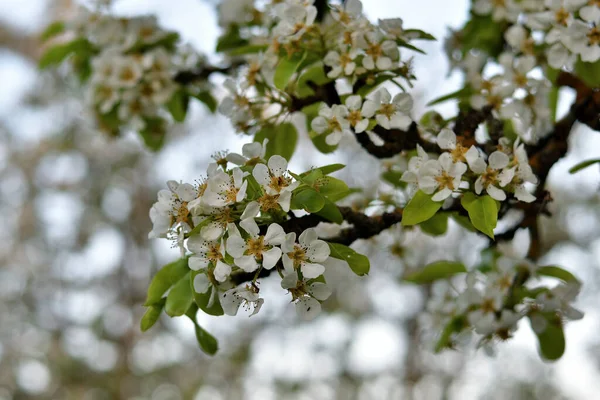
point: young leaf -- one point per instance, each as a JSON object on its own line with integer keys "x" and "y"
{"x": 307, "y": 199}
{"x": 552, "y": 339}
{"x": 326, "y": 169}
{"x": 435, "y": 271}
{"x": 419, "y": 209}
{"x": 436, "y": 225}
{"x": 359, "y": 264}
{"x": 58, "y": 53}
{"x": 203, "y": 299}
{"x": 483, "y": 212}
{"x": 207, "y": 342}
{"x": 329, "y": 186}
{"x": 286, "y": 68}
{"x": 460, "y": 93}
{"x": 207, "y": 98}
{"x": 151, "y": 315}
{"x": 583, "y": 165}
{"x": 55, "y": 28}
{"x": 417, "y": 34}
{"x": 180, "y": 298}
{"x": 154, "y": 133}
{"x": 230, "y": 40}
{"x": 312, "y": 75}
{"x": 282, "y": 139}
{"x": 557, "y": 272}
{"x": 456, "y": 324}
{"x": 331, "y": 212}
{"x": 178, "y": 105}
{"x": 164, "y": 279}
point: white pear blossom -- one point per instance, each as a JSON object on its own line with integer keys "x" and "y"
{"x": 256, "y": 250}
{"x": 273, "y": 177}
{"x": 389, "y": 113}
{"x": 208, "y": 252}
{"x": 341, "y": 63}
{"x": 585, "y": 38}
{"x": 295, "y": 19}
{"x": 447, "y": 141}
{"x": 332, "y": 121}
{"x": 411, "y": 175}
{"x": 307, "y": 297}
{"x": 494, "y": 176}
{"x": 380, "y": 53}
{"x": 347, "y": 13}
{"x": 224, "y": 189}
{"x": 306, "y": 255}
{"x": 232, "y": 299}
{"x": 171, "y": 208}
{"x": 392, "y": 27}
{"x": 252, "y": 154}
{"x": 483, "y": 318}
{"x": 357, "y": 120}
{"x": 441, "y": 176}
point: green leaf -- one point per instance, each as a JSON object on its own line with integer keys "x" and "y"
{"x": 484, "y": 34}
{"x": 202, "y": 299}
{"x": 342, "y": 195}
{"x": 57, "y": 54}
{"x": 154, "y": 133}
{"x": 180, "y": 298}
{"x": 207, "y": 342}
{"x": 419, "y": 209}
{"x": 583, "y": 165}
{"x": 178, "y": 105}
{"x": 307, "y": 199}
{"x": 330, "y": 186}
{"x": 230, "y": 40}
{"x": 374, "y": 84}
{"x": 55, "y": 28}
{"x": 331, "y": 212}
{"x": 393, "y": 178}
{"x": 436, "y": 225}
{"x": 405, "y": 44}
{"x": 552, "y": 340}
{"x": 460, "y": 93}
{"x": 435, "y": 271}
{"x": 282, "y": 139}
{"x": 588, "y": 72}
{"x": 326, "y": 169}
{"x": 151, "y": 315}
{"x": 313, "y": 74}
{"x": 164, "y": 279}
{"x": 286, "y": 68}
{"x": 359, "y": 264}
{"x": 417, "y": 34}
{"x": 557, "y": 272}
{"x": 483, "y": 212}
{"x": 463, "y": 221}
{"x": 248, "y": 49}
{"x": 207, "y": 98}
{"x": 455, "y": 325}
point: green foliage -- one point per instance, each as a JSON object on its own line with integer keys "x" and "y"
{"x": 153, "y": 133}
{"x": 207, "y": 98}
{"x": 584, "y": 165}
{"x": 393, "y": 178}
{"x": 202, "y": 300}
{"x": 588, "y": 72}
{"x": 178, "y": 105}
{"x": 180, "y": 298}
{"x": 358, "y": 263}
{"x": 169, "y": 275}
{"x": 308, "y": 199}
{"x": 56, "y": 54}
{"x": 230, "y": 40}
{"x": 52, "y": 30}
{"x": 418, "y": 34}
{"x": 313, "y": 74}
{"x": 282, "y": 139}
{"x": 483, "y": 212}
{"x": 331, "y": 212}
{"x": 248, "y": 49}
{"x": 207, "y": 342}
{"x": 455, "y": 325}
{"x": 436, "y": 225}
{"x": 151, "y": 315}
{"x": 557, "y": 272}
{"x": 484, "y": 34}
{"x": 552, "y": 340}
{"x": 435, "y": 271}
{"x": 419, "y": 209}
{"x": 286, "y": 67}
{"x": 326, "y": 169}
{"x": 460, "y": 94}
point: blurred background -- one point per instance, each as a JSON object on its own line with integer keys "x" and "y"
{"x": 75, "y": 260}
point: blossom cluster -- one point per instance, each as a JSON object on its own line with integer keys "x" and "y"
{"x": 230, "y": 222}
{"x": 346, "y": 47}
{"x": 462, "y": 167}
{"x": 132, "y": 64}
{"x": 488, "y": 302}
